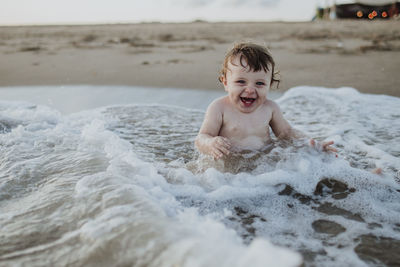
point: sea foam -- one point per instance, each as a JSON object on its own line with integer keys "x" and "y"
{"x": 123, "y": 185}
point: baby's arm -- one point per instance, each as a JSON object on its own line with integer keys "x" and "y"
{"x": 207, "y": 141}
{"x": 280, "y": 126}
{"x": 282, "y": 129}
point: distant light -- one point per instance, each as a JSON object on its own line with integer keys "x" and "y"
{"x": 384, "y": 14}
{"x": 370, "y": 16}
{"x": 374, "y": 13}
{"x": 359, "y": 14}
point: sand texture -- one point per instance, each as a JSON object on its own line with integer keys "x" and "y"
{"x": 360, "y": 54}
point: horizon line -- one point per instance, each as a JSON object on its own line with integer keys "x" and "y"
{"x": 150, "y": 22}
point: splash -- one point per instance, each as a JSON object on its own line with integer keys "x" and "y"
{"x": 118, "y": 185}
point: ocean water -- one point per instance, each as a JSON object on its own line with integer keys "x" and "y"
{"x": 111, "y": 178}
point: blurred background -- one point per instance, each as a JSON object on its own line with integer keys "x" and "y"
{"x": 181, "y": 43}
{"x": 17, "y": 12}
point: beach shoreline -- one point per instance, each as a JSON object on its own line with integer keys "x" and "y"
{"x": 98, "y": 162}
{"x": 360, "y": 54}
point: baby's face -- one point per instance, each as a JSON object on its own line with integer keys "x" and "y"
{"x": 247, "y": 89}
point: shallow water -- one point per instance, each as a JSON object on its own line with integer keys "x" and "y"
{"x": 119, "y": 186}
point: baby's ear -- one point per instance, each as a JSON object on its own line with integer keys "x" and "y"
{"x": 222, "y": 79}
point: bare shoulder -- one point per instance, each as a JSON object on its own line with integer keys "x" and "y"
{"x": 272, "y": 105}
{"x": 218, "y": 105}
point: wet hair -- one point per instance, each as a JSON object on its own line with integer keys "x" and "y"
{"x": 255, "y": 56}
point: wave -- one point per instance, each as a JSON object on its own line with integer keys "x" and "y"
{"x": 119, "y": 185}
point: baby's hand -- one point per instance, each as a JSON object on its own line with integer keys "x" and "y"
{"x": 220, "y": 146}
{"x": 325, "y": 146}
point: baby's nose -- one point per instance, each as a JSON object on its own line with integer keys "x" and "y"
{"x": 250, "y": 89}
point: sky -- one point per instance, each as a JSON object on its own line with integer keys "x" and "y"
{"x": 21, "y": 12}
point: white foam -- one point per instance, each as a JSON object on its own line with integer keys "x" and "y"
{"x": 115, "y": 186}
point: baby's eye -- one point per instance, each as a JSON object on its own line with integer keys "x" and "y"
{"x": 241, "y": 81}
{"x": 260, "y": 83}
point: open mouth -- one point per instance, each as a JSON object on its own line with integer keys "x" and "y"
{"x": 247, "y": 101}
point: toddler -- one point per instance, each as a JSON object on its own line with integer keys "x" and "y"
{"x": 241, "y": 120}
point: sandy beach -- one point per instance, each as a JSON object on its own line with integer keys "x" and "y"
{"x": 98, "y": 165}
{"x": 360, "y": 54}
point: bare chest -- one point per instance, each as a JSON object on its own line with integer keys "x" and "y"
{"x": 243, "y": 125}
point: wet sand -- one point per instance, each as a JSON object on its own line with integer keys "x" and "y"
{"x": 360, "y": 54}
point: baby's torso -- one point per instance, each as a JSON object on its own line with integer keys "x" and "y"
{"x": 247, "y": 131}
